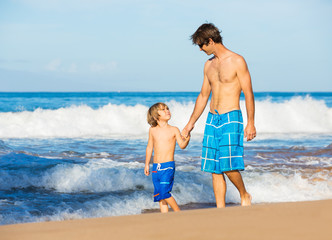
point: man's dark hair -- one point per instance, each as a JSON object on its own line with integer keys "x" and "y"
{"x": 204, "y": 32}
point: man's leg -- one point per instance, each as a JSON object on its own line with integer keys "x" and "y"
{"x": 219, "y": 188}
{"x": 171, "y": 201}
{"x": 236, "y": 179}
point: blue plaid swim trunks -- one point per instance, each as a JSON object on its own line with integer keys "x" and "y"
{"x": 223, "y": 142}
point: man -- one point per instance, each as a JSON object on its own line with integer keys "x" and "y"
{"x": 225, "y": 75}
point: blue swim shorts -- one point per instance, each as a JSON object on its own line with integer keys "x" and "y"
{"x": 163, "y": 179}
{"x": 223, "y": 142}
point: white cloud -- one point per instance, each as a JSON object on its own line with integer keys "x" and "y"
{"x": 53, "y": 65}
{"x": 103, "y": 67}
{"x": 72, "y": 68}
{"x": 56, "y": 65}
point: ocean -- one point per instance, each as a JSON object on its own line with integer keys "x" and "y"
{"x": 81, "y": 155}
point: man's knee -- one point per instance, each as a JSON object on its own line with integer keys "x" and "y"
{"x": 232, "y": 173}
{"x": 217, "y": 177}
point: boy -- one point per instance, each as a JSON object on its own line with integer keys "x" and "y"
{"x": 162, "y": 140}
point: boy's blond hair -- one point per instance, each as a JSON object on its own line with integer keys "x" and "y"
{"x": 153, "y": 115}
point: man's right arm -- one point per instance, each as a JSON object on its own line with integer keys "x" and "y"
{"x": 200, "y": 105}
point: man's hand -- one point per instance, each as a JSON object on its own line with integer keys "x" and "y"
{"x": 147, "y": 170}
{"x": 187, "y": 129}
{"x": 250, "y": 132}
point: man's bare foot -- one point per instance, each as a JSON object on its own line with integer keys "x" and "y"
{"x": 246, "y": 200}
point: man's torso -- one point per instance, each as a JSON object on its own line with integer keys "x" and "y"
{"x": 224, "y": 82}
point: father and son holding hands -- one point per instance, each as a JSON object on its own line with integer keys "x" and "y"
{"x": 225, "y": 75}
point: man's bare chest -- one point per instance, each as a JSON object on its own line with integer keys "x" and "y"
{"x": 221, "y": 72}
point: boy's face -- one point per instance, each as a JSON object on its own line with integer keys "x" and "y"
{"x": 164, "y": 113}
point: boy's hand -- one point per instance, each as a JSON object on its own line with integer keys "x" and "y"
{"x": 187, "y": 129}
{"x": 187, "y": 138}
{"x": 183, "y": 138}
{"x": 147, "y": 170}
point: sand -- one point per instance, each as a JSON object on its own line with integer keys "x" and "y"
{"x": 300, "y": 220}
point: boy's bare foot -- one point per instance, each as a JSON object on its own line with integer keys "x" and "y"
{"x": 246, "y": 200}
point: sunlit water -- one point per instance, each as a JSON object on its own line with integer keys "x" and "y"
{"x": 81, "y": 155}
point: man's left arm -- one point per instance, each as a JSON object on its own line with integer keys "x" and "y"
{"x": 246, "y": 86}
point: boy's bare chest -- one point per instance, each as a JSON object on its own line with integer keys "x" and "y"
{"x": 164, "y": 136}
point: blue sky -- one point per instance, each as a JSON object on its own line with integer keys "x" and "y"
{"x": 144, "y": 45}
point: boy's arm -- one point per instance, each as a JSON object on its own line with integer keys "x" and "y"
{"x": 182, "y": 142}
{"x": 148, "y": 154}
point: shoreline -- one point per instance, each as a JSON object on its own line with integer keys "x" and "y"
{"x": 292, "y": 220}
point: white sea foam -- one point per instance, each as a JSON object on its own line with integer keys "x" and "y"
{"x": 191, "y": 185}
{"x": 109, "y": 178}
{"x": 96, "y": 176}
{"x": 297, "y": 115}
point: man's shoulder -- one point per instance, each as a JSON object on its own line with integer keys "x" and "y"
{"x": 210, "y": 60}
{"x": 236, "y": 57}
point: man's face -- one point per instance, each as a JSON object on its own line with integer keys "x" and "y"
{"x": 207, "y": 48}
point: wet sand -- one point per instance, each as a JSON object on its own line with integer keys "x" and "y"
{"x": 299, "y": 220}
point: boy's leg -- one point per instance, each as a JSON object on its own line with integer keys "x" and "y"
{"x": 163, "y": 206}
{"x": 236, "y": 179}
{"x": 219, "y": 188}
{"x": 171, "y": 201}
